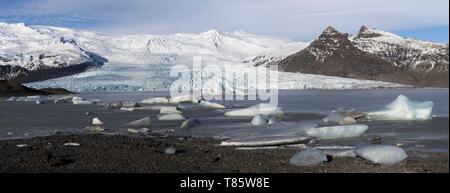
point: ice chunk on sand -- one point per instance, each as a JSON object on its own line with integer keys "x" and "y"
{"x": 262, "y": 109}
{"x": 189, "y": 123}
{"x": 403, "y": 108}
{"x": 335, "y": 132}
{"x": 308, "y": 157}
{"x": 210, "y": 105}
{"x": 382, "y": 154}
{"x": 265, "y": 141}
{"x": 171, "y": 117}
{"x": 259, "y": 120}
{"x": 169, "y": 110}
{"x": 155, "y": 100}
{"x": 139, "y": 123}
{"x": 347, "y": 121}
{"x": 340, "y": 152}
{"x": 96, "y": 122}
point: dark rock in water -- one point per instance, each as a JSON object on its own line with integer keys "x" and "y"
{"x": 12, "y": 88}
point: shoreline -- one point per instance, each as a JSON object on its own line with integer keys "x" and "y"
{"x": 120, "y": 153}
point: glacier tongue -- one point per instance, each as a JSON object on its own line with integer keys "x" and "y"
{"x": 403, "y": 108}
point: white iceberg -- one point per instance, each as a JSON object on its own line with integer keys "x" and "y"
{"x": 171, "y": 117}
{"x": 265, "y": 141}
{"x": 182, "y": 99}
{"x": 155, "y": 100}
{"x": 259, "y": 120}
{"x": 403, "y": 108}
{"x": 83, "y": 102}
{"x": 210, "y": 105}
{"x": 261, "y": 109}
{"x": 382, "y": 154}
{"x": 308, "y": 157}
{"x": 189, "y": 123}
{"x": 169, "y": 110}
{"x": 139, "y": 123}
{"x": 335, "y": 132}
{"x": 96, "y": 122}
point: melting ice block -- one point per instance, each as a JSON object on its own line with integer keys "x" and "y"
{"x": 210, "y": 105}
{"x": 139, "y": 123}
{"x": 259, "y": 120}
{"x": 155, "y": 100}
{"x": 382, "y": 154}
{"x": 182, "y": 99}
{"x": 265, "y": 141}
{"x": 309, "y": 157}
{"x": 189, "y": 123}
{"x": 169, "y": 110}
{"x": 335, "y": 132}
{"x": 96, "y": 122}
{"x": 403, "y": 108}
{"x": 260, "y": 109}
{"x": 171, "y": 117}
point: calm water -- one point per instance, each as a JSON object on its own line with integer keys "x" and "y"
{"x": 26, "y": 119}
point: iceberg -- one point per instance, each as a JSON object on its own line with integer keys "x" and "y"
{"x": 335, "y": 132}
{"x": 96, "y": 122}
{"x": 260, "y": 109}
{"x": 403, "y": 108}
{"x": 139, "y": 123}
{"x": 265, "y": 141}
{"x": 259, "y": 120}
{"x": 189, "y": 123}
{"x": 210, "y": 105}
{"x": 308, "y": 157}
{"x": 171, "y": 117}
{"x": 182, "y": 99}
{"x": 382, "y": 154}
{"x": 169, "y": 110}
{"x": 83, "y": 102}
{"x": 155, "y": 100}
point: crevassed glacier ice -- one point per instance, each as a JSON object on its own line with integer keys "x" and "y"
{"x": 260, "y": 109}
{"x": 382, "y": 154}
{"x": 335, "y": 132}
{"x": 403, "y": 108}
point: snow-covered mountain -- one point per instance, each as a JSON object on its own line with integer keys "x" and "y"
{"x": 88, "y": 61}
{"x": 25, "y": 53}
{"x": 373, "y": 55}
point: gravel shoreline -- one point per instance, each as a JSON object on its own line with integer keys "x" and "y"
{"x": 118, "y": 153}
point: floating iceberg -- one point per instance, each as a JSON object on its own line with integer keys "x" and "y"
{"x": 96, "y": 122}
{"x": 403, "y": 108}
{"x": 83, "y": 102}
{"x": 282, "y": 129}
{"x": 139, "y": 123}
{"x": 169, "y": 110}
{"x": 335, "y": 132}
{"x": 260, "y": 109}
{"x": 171, "y": 117}
{"x": 308, "y": 157}
{"x": 189, "y": 123}
{"x": 182, "y": 99}
{"x": 155, "y": 100}
{"x": 265, "y": 141}
{"x": 382, "y": 154}
{"x": 210, "y": 105}
{"x": 259, "y": 120}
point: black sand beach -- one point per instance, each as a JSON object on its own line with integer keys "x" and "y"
{"x": 107, "y": 153}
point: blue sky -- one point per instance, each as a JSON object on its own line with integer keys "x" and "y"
{"x": 295, "y": 19}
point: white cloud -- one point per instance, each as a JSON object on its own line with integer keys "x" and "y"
{"x": 296, "y": 19}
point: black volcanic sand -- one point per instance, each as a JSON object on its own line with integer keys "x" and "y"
{"x": 118, "y": 153}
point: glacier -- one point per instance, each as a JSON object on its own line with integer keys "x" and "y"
{"x": 402, "y": 108}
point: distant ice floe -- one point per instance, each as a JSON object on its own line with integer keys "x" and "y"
{"x": 260, "y": 109}
{"x": 382, "y": 154}
{"x": 335, "y": 132}
{"x": 403, "y": 108}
